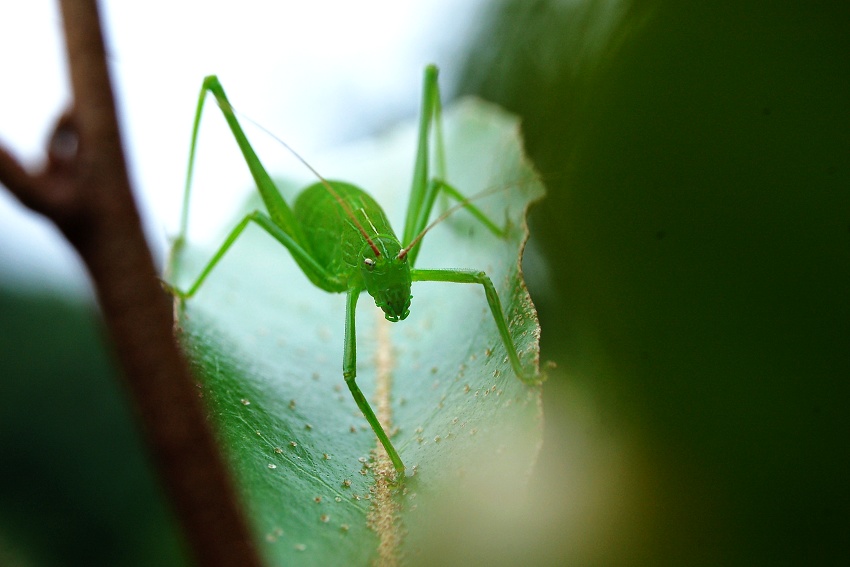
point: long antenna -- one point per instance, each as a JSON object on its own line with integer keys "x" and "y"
{"x": 446, "y": 214}
{"x": 345, "y": 206}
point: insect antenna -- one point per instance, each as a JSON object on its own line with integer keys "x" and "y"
{"x": 345, "y": 206}
{"x": 446, "y": 214}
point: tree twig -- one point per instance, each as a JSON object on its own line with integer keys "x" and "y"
{"x": 84, "y": 189}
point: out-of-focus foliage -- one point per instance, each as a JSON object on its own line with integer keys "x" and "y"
{"x": 75, "y": 487}
{"x": 697, "y": 238}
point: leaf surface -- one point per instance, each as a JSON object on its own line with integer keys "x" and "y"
{"x": 266, "y": 346}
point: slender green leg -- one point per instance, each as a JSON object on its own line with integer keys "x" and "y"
{"x": 414, "y": 223}
{"x": 310, "y": 267}
{"x": 349, "y": 372}
{"x": 278, "y": 209}
{"x": 424, "y": 190}
{"x": 282, "y": 225}
{"x": 473, "y": 210}
{"x": 476, "y": 277}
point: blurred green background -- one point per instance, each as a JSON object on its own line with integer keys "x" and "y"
{"x": 697, "y": 235}
{"x": 75, "y": 488}
{"x": 691, "y": 267}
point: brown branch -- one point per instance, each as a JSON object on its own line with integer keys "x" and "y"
{"x": 84, "y": 189}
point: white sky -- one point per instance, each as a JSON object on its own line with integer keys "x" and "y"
{"x": 316, "y": 73}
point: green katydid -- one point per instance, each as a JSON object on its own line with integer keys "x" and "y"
{"x": 342, "y": 241}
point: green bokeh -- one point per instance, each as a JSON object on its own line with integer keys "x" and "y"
{"x": 75, "y": 486}
{"x": 697, "y": 233}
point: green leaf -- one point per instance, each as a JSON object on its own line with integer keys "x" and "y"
{"x": 266, "y": 346}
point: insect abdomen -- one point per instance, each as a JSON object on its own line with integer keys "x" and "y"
{"x": 331, "y": 233}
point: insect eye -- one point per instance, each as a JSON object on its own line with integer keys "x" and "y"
{"x": 370, "y": 263}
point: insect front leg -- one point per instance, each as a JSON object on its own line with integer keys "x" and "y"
{"x": 349, "y": 372}
{"x": 477, "y": 277}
